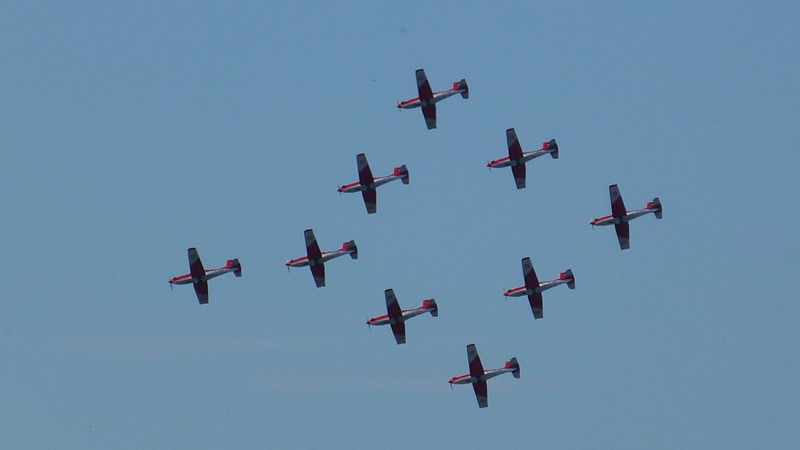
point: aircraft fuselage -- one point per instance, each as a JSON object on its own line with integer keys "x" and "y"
{"x": 488, "y": 374}
{"x": 213, "y": 273}
{"x": 379, "y": 181}
{"x": 326, "y": 256}
{"x": 629, "y": 215}
{"x": 437, "y": 97}
{"x": 407, "y": 314}
{"x": 527, "y": 156}
{"x": 543, "y": 286}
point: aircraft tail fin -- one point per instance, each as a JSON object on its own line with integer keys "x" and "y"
{"x": 513, "y": 364}
{"x": 550, "y": 145}
{"x": 351, "y": 246}
{"x": 431, "y": 303}
{"x": 656, "y": 203}
{"x": 570, "y": 277}
{"x": 402, "y": 170}
{"x": 234, "y": 264}
{"x": 462, "y": 85}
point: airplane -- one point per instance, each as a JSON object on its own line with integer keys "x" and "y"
{"x": 317, "y": 259}
{"x": 620, "y": 217}
{"x": 367, "y": 184}
{"x": 427, "y": 98}
{"x": 199, "y": 276}
{"x": 533, "y": 288}
{"x": 517, "y": 158}
{"x": 397, "y": 318}
{"x": 478, "y": 376}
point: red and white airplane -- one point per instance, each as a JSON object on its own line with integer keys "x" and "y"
{"x": 199, "y": 276}
{"x": 317, "y": 259}
{"x": 478, "y": 376}
{"x": 397, "y": 317}
{"x": 620, "y": 216}
{"x": 367, "y": 184}
{"x": 533, "y": 288}
{"x": 427, "y": 98}
{"x": 517, "y": 158}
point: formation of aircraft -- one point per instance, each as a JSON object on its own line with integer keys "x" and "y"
{"x": 367, "y": 184}
{"x": 620, "y": 216}
{"x": 516, "y": 158}
{"x": 199, "y": 276}
{"x": 477, "y": 375}
{"x": 533, "y": 287}
{"x": 396, "y": 317}
{"x": 317, "y": 259}
{"x": 428, "y": 99}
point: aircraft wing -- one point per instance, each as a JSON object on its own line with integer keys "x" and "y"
{"x": 312, "y": 248}
{"x": 617, "y": 205}
{"x": 531, "y": 280}
{"x": 515, "y": 154}
{"x": 481, "y": 393}
{"x": 423, "y": 86}
{"x": 519, "y": 175}
{"x": 201, "y": 289}
{"x": 514, "y": 149}
{"x": 623, "y": 234}
{"x": 399, "y": 330}
{"x": 195, "y": 265}
{"x": 430, "y": 115}
{"x": 370, "y": 200}
{"x": 536, "y": 305}
{"x": 392, "y": 306}
{"x": 364, "y": 172}
{"x": 318, "y": 270}
{"x": 475, "y": 366}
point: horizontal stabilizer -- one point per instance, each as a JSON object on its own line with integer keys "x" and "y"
{"x": 352, "y": 246}
{"x": 657, "y": 205}
{"x": 234, "y": 264}
{"x": 513, "y": 364}
{"x": 431, "y": 303}
{"x": 552, "y": 145}
{"x": 402, "y": 170}
{"x": 463, "y": 85}
{"x": 569, "y": 276}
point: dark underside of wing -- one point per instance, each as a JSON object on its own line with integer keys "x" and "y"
{"x": 536, "y": 305}
{"x": 399, "y": 330}
{"x": 370, "y": 200}
{"x": 201, "y": 289}
{"x": 481, "y": 393}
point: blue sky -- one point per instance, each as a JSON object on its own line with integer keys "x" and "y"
{"x": 131, "y": 132}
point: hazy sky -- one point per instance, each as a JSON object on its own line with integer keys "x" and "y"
{"x": 130, "y": 132}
